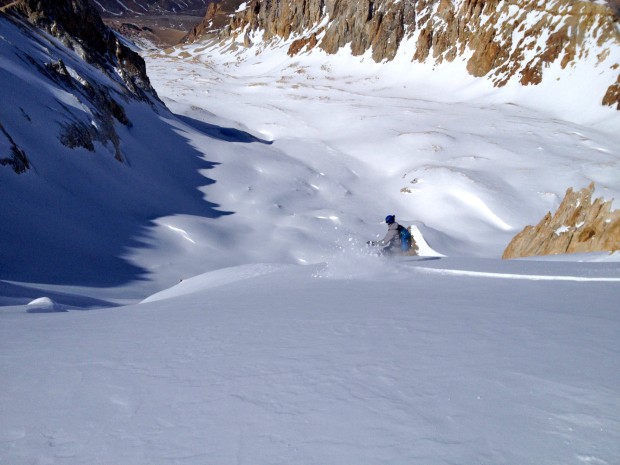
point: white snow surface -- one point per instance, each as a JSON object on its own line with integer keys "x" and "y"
{"x": 274, "y": 335}
{"x": 290, "y": 364}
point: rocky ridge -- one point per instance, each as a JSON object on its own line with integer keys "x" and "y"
{"x": 132, "y": 8}
{"x": 89, "y": 157}
{"x": 578, "y": 225}
{"x": 78, "y": 26}
{"x": 217, "y": 17}
{"x": 500, "y": 40}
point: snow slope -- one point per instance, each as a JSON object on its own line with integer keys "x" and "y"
{"x": 307, "y": 154}
{"x": 70, "y": 218}
{"x": 273, "y": 334}
{"x": 287, "y": 364}
{"x": 351, "y": 141}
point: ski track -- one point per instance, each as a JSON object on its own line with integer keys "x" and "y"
{"x": 484, "y": 274}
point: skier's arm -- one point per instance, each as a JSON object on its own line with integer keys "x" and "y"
{"x": 389, "y": 237}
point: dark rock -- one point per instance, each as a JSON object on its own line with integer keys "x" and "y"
{"x": 612, "y": 96}
{"x": 78, "y": 25}
{"x": 58, "y": 71}
{"x": 78, "y": 134}
{"x": 17, "y": 159}
{"x": 307, "y": 43}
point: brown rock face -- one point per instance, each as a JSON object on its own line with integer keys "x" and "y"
{"x": 201, "y": 28}
{"x": 216, "y": 22}
{"x": 501, "y": 40}
{"x": 505, "y": 42}
{"x": 579, "y": 225}
{"x": 365, "y": 24}
{"x": 612, "y": 97}
{"x": 307, "y": 43}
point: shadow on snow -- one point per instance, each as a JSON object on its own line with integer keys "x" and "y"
{"x": 221, "y": 133}
{"x": 73, "y": 225}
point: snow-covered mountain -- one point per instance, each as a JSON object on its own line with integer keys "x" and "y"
{"x": 104, "y": 143}
{"x": 521, "y": 41}
{"x": 236, "y": 314}
{"x": 559, "y": 58}
{"x": 88, "y": 153}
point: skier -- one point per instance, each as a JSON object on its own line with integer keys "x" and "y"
{"x": 397, "y": 239}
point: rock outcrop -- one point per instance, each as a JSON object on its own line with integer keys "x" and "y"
{"x": 16, "y": 158}
{"x": 86, "y": 162}
{"x": 215, "y": 17}
{"x": 78, "y": 26}
{"x": 501, "y": 40}
{"x": 579, "y": 225}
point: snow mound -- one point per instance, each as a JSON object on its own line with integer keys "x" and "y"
{"x": 216, "y": 278}
{"x": 44, "y": 305}
{"x": 424, "y": 250}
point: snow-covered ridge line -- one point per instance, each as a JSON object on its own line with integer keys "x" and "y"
{"x": 217, "y": 278}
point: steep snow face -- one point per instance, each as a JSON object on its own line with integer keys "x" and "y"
{"x": 101, "y": 165}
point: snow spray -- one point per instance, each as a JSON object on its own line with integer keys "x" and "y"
{"x": 352, "y": 258}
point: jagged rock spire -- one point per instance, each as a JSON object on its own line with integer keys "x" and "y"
{"x": 578, "y": 225}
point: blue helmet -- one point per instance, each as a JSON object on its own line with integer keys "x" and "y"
{"x": 390, "y": 219}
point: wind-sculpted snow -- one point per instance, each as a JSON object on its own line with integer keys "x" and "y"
{"x": 528, "y": 277}
{"x": 217, "y": 278}
{"x": 353, "y": 142}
